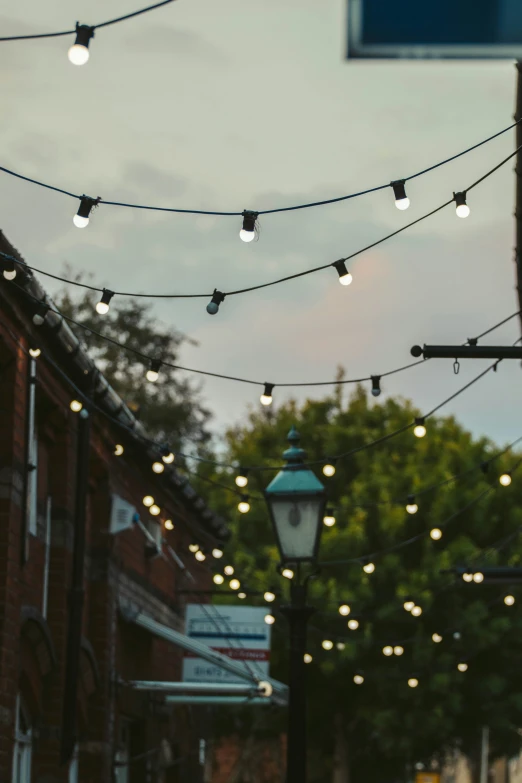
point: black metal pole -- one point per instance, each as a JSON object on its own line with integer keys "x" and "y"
{"x": 518, "y": 199}
{"x": 297, "y": 614}
{"x": 467, "y": 351}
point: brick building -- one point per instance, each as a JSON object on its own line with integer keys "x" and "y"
{"x": 69, "y": 582}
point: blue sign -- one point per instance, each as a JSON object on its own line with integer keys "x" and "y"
{"x": 428, "y": 29}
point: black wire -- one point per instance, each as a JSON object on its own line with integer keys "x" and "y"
{"x": 130, "y": 16}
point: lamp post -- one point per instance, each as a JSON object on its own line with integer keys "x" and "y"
{"x": 296, "y": 501}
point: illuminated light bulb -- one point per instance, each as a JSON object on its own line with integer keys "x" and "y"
{"x": 269, "y": 596}
{"x": 152, "y": 373}
{"x": 148, "y": 501}
{"x": 408, "y": 605}
{"x": 307, "y": 658}
{"x": 242, "y": 478}
{"x": 217, "y": 298}
{"x": 369, "y": 568}
{"x": 399, "y": 191}
{"x": 436, "y": 637}
{"x": 248, "y": 232}
{"x": 9, "y": 268}
{"x": 234, "y": 584}
{"x": 353, "y": 625}
{"x": 329, "y": 518}
{"x": 243, "y": 506}
{"x": 457, "y": 636}
{"x": 329, "y": 469}
{"x": 420, "y": 428}
{"x": 34, "y": 352}
{"x": 168, "y": 459}
{"x": 266, "y": 397}
{"x": 169, "y": 524}
{"x": 509, "y": 600}
{"x": 41, "y": 311}
{"x": 155, "y": 510}
{"x": 75, "y": 406}
{"x": 103, "y": 305}
{"x": 81, "y": 219}
{"x": 158, "y": 467}
{"x": 344, "y": 610}
{"x": 398, "y": 650}
{"x": 376, "y": 385}
{"x": 241, "y": 595}
{"x": 478, "y": 577}
{"x": 505, "y": 479}
{"x": 269, "y": 619}
{"x": 229, "y": 570}
{"x": 413, "y": 682}
{"x": 467, "y": 577}
{"x": 436, "y": 534}
{"x": 118, "y": 450}
{"x": 411, "y": 505}
{"x": 358, "y": 679}
{"x": 200, "y": 556}
{"x": 416, "y": 611}
{"x": 195, "y": 547}
{"x": 345, "y": 277}
{"x": 217, "y": 553}
{"x": 287, "y": 573}
{"x": 462, "y": 667}
{"x": 341, "y": 646}
{"x": 9, "y": 274}
{"x": 78, "y": 53}
{"x": 462, "y": 208}
{"x": 327, "y": 644}
{"x": 218, "y": 579}
{"x": 387, "y": 650}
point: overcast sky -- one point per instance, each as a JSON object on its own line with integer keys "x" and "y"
{"x": 234, "y": 104}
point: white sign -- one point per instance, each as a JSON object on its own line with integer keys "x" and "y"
{"x": 123, "y": 515}
{"x": 240, "y": 632}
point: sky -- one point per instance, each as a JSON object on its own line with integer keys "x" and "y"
{"x": 234, "y": 105}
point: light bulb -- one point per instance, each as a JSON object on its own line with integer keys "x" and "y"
{"x": 399, "y": 191}
{"x": 234, "y": 584}
{"x": 195, "y": 547}
{"x": 462, "y": 208}
{"x": 353, "y": 625}
{"x": 200, "y": 556}
{"x": 408, "y": 605}
{"x": 457, "y": 636}
{"x": 413, "y": 682}
{"x": 152, "y": 374}
{"x": 436, "y": 534}
{"x": 81, "y": 222}
{"x": 505, "y": 479}
{"x": 102, "y": 307}
{"x": 287, "y": 573}
{"x": 269, "y": 596}
{"x": 436, "y": 637}
{"x": 398, "y": 650}
{"x": 478, "y": 577}
{"x": 40, "y": 313}
{"x": 243, "y": 506}
{"x": 307, "y": 658}
{"x": 358, "y": 679}
{"x": 241, "y": 595}
{"x": 269, "y": 619}
{"x": 81, "y": 219}
{"x": 217, "y": 553}
{"x": 420, "y": 429}
{"x": 416, "y": 611}
{"x": 148, "y": 501}
{"x": 266, "y": 397}
{"x": 78, "y": 53}
{"x": 34, "y": 352}
{"x": 509, "y": 600}
{"x": 329, "y": 469}
{"x": 345, "y": 277}
{"x": 387, "y": 650}
{"x": 217, "y": 298}
{"x": 329, "y": 519}
{"x": 9, "y": 274}
{"x": 467, "y": 577}
{"x": 242, "y": 478}
{"x": 376, "y": 385}
{"x": 229, "y": 570}
{"x": 75, "y": 406}
{"x": 155, "y": 510}
{"x": 462, "y": 667}
{"x": 369, "y": 568}
{"x": 169, "y": 524}
{"x": 118, "y": 450}
{"x": 341, "y": 646}
{"x": 344, "y": 610}
{"x": 411, "y": 505}
{"x": 158, "y": 467}
{"x": 248, "y": 231}
{"x": 218, "y": 579}
{"x": 327, "y": 644}
{"x": 168, "y": 459}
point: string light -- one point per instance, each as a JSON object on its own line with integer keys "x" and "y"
{"x": 217, "y": 553}
{"x": 307, "y": 658}
{"x": 266, "y": 397}
{"x": 234, "y": 584}
{"x": 218, "y": 579}
{"x": 399, "y": 191}
{"x": 387, "y": 650}
{"x": 353, "y": 625}
{"x": 345, "y": 277}
{"x": 369, "y": 568}
{"x": 509, "y": 600}
{"x": 269, "y": 596}
{"x": 248, "y": 231}
{"x": 341, "y": 646}
{"x": 168, "y": 458}
{"x": 75, "y": 406}
{"x": 8, "y": 266}
{"x": 155, "y": 510}
{"x": 158, "y": 467}
{"x": 34, "y": 352}
{"x": 269, "y": 619}
{"x": 413, "y": 682}
{"x": 436, "y": 533}
{"x": 478, "y": 577}
{"x": 329, "y": 469}
{"x": 358, "y": 679}
{"x": 462, "y": 208}
{"x": 81, "y": 219}
{"x": 229, "y": 570}
{"x": 200, "y": 556}
{"x": 195, "y": 547}
{"x": 408, "y": 605}
{"x": 78, "y": 53}
{"x": 398, "y": 650}
{"x": 241, "y": 595}
{"x": 40, "y": 313}
{"x": 505, "y": 479}
{"x": 376, "y": 385}
{"x": 344, "y": 610}
{"x": 467, "y": 577}
{"x": 169, "y": 524}
{"x": 118, "y": 450}
{"x": 152, "y": 373}
{"x": 243, "y": 506}
{"x": 462, "y": 667}
{"x": 329, "y": 518}
{"x": 436, "y": 637}
{"x": 217, "y": 298}
{"x": 287, "y": 573}
{"x": 416, "y": 611}
{"x": 148, "y": 501}
{"x": 420, "y": 428}
{"x": 411, "y": 505}
{"x": 327, "y": 644}
{"x": 242, "y": 478}
{"x": 102, "y": 307}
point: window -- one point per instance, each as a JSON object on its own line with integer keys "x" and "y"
{"x": 23, "y": 746}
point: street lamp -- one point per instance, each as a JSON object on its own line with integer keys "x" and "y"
{"x": 296, "y": 500}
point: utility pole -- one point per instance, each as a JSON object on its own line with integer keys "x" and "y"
{"x": 518, "y": 192}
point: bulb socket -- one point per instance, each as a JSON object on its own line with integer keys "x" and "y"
{"x": 460, "y": 198}
{"x": 249, "y": 220}
{"x": 376, "y": 385}
{"x": 84, "y": 33}
{"x": 340, "y": 266}
{"x": 399, "y": 189}
{"x": 87, "y": 204}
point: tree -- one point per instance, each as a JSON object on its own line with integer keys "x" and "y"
{"x": 383, "y": 725}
